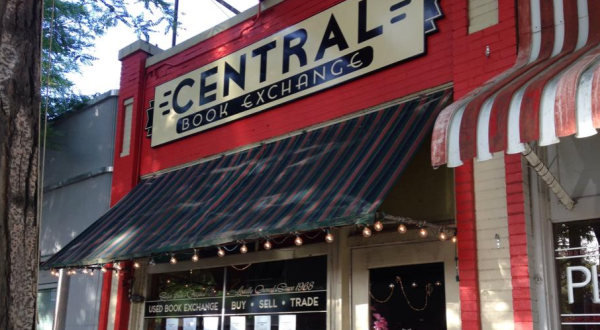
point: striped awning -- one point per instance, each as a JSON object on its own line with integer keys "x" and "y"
{"x": 324, "y": 177}
{"x": 552, "y": 91}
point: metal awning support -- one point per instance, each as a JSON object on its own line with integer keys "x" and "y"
{"x": 228, "y": 6}
{"x": 544, "y": 172}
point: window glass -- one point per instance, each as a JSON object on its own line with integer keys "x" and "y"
{"x": 407, "y": 297}
{"x": 576, "y": 255}
{"x": 46, "y": 300}
{"x": 279, "y": 295}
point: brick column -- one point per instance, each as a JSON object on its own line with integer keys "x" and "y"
{"x": 517, "y": 230}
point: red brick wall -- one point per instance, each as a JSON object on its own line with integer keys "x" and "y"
{"x": 519, "y": 260}
{"x": 472, "y": 68}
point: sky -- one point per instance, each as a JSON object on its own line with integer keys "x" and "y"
{"x": 195, "y": 16}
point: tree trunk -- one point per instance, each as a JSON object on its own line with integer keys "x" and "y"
{"x": 20, "y": 34}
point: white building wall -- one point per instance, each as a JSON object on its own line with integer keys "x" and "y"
{"x": 482, "y": 14}
{"x": 495, "y": 281}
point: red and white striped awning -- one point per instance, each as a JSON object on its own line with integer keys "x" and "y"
{"x": 552, "y": 91}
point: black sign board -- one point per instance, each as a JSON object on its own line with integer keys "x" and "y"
{"x": 295, "y": 302}
{"x": 184, "y": 307}
{"x": 276, "y": 303}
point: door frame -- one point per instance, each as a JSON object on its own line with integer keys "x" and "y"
{"x": 402, "y": 254}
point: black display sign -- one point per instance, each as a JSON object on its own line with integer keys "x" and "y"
{"x": 281, "y": 298}
{"x": 296, "y": 302}
{"x": 184, "y": 307}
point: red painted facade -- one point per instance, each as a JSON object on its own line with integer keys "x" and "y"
{"x": 453, "y": 56}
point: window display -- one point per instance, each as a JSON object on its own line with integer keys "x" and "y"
{"x": 408, "y": 297}
{"x": 289, "y": 294}
{"x": 577, "y": 255}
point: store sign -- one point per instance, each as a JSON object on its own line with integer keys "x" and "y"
{"x": 347, "y": 41}
{"x": 281, "y": 298}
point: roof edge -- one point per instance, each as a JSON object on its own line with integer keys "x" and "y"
{"x": 163, "y": 55}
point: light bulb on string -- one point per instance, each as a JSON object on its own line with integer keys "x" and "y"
{"x": 268, "y": 245}
{"x": 329, "y": 237}
{"x": 117, "y": 273}
{"x": 423, "y": 232}
{"x": 103, "y": 269}
{"x": 454, "y": 239}
{"x": 92, "y": 272}
{"x": 378, "y": 226}
{"x": 298, "y": 240}
{"x": 402, "y": 229}
{"x": 117, "y": 265}
{"x": 136, "y": 265}
{"x": 366, "y": 232}
{"x": 221, "y": 253}
{"x": 244, "y": 248}
{"x": 195, "y": 257}
{"x": 53, "y": 272}
{"x": 173, "y": 260}
{"x": 84, "y": 271}
{"x": 151, "y": 262}
{"x": 442, "y": 236}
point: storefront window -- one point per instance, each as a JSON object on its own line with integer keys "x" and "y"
{"x": 46, "y": 301}
{"x": 408, "y": 297}
{"x": 283, "y": 295}
{"x": 576, "y": 254}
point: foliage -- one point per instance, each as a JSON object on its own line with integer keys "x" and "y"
{"x": 69, "y": 30}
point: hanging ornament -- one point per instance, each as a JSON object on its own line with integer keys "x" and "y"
{"x": 136, "y": 265}
{"x": 366, "y": 232}
{"x": 402, "y": 229}
{"x": 268, "y": 245}
{"x": 298, "y": 240}
{"x": 423, "y": 232}
{"x": 244, "y": 249}
{"x": 195, "y": 257}
{"x": 442, "y": 236}
{"x": 173, "y": 260}
{"x": 329, "y": 237}
{"x": 221, "y": 253}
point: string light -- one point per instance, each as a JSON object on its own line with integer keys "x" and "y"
{"x": 221, "y": 253}
{"x": 103, "y": 269}
{"x": 117, "y": 266}
{"x": 378, "y": 226}
{"x": 454, "y": 239}
{"x": 366, "y": 232}
{"x": 53, "y": 272}
{"x": 244, "y": 249}
{"x": 402, "y": 229}
{"x": 151, "y": 262}
{"x": 117, "y": 273}
{"x": 92, "y": 272}
{"x": 173, "y": 260}
{"x": 195, "y": 257}
{"x": 298, "y": 240}
{"x": 329, "y": 237}
{"x": 268, "y": 245}
{"x": 84, "y": 271}
{"x": 423, "y": 232}
{"x": 442, "y": 236}
{"x": 136, "y": 265}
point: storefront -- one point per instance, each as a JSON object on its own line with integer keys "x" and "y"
{"x": 276, "y": 171}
